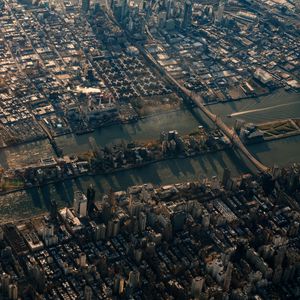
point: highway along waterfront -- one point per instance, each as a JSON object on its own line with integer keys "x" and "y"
{"x": 34, "y": 201}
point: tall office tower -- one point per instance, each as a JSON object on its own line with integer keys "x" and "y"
{"x": 80, "y": 204}
{"x": 134, "y": 279}
{"x": 112, "y": 198}
{"x": 112, "y": 5}
{"x": 103, "y": 264}
{"x": 53, "y": 209}
{"x": 205, "y": 219}
{"x": 169, "y": 9}
{"x": 277, "y": 274}
{"x": 297, "y": 5}
{"x": 38, "y": 275}
{"x": 178, "y": 219}
{"x": 142, "y": 23}
{"x": 115, "y": 227}
{"x": 1, "y": 234}
{"x": 119, "y": 283}
{"x": 294, "y": 228}
{"x": 220, "y": 11}
{"x": 82, "y": 260}
{"x": 142, "y": 221}
{"x": 13, "y": 292}
{"x": 187, "y": 14}
{"x": 226, "y": 177}
{"x": 85, "y": 6}
{"x": 197, "y": 286}
{"x": 109, "y": 230}
{"x": 227, "y": 277}
{"x": 88, "y": 293}
{"x": 145, "y": 5}
{"x": 124, "y": 10}
{"x": 102, "y": 231}
{"x": 5, "y": 280}
{"x": 90, "y": 198}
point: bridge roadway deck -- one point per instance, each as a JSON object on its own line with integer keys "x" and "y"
{"x": 230, "y": 133}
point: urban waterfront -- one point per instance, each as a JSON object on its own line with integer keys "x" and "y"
{"x": 149, "y": 150}
{"x": 34, "y": 201}
{"x": 184, "y": 121}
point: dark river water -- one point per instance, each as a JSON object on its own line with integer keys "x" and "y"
{"x": 282, "y": 152}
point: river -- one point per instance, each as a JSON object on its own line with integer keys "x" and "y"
{"x": 281, "y": 152}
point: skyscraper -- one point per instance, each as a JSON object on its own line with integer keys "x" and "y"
{"x": 124, "y": 11}
{"x": 227, "y": 277}
{"x": 169, "y": 8}
{"x": 197, "y": 286}
{"x": 53, "y": 209}
{"x": 1, "y": 234}
{"x": 13, "y": 292}
{"x": 119, "y": 284}
{"x": 80, "y": 204}
{"x": 187, "y": 14}
{"x": 297, "y": 5}
{"x": 88, "y": 293}
{"x": 134, "y": 278}
{"x": 220, "y": 11}
{"x": 226, "y": 177}
{"x": 142, "y": 221}
{"x": 38, "y": 275}
{"x": 85, "y": 6}
{"x": 5, "y": 280}
{"x": 90, "y": 198}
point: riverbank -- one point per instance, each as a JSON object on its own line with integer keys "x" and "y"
{"x": 183, "y": 121}
{"x": 31, "y": 202}
{"x": 90, "y": 130}
{"x": 111, "y": 160}
{"x": 91, "y": 175}
{"x": 36, "y": 200}
{"x": 212, "y": 105}
{"x": 141, "y": 165}
{"x": 14, "y": 183}
{"x": 283, "y": 152}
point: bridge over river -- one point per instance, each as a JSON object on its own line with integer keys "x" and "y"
{"x": 197, "y": 100}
